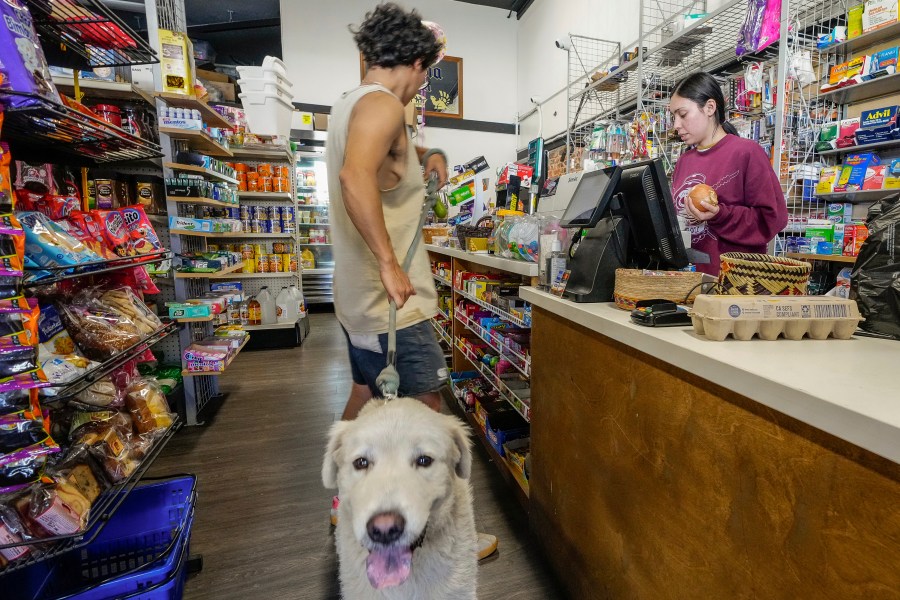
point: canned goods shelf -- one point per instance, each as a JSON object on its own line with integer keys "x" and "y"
{"x": 229, "y": 271}
{"x": 200, "y": 170}
{"x": 285, "y": 274}
{"x": 264, "y": 195}
{"x": 313, "y": 224}
{"x": 198, "y": 140}
{"x": 201, "y": 201}
{"x": 244, "y": 234}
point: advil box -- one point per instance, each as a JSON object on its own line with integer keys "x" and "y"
{"x": 878, "y": 125}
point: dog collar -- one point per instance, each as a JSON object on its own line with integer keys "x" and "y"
{"x": 418, "y": 543}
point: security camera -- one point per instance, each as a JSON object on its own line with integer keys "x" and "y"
{"x": 563, "y": 43}
{"x": 535, "y": 99}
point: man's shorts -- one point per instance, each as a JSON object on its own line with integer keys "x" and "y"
{"x": 420, "y": 360}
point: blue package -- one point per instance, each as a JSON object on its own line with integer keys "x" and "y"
{"x": 878, "y": 125}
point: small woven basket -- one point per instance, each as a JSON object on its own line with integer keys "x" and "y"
{"x": 464, "y": 232}
{"x": 634, "y": 285}
{"x": 744, "y": 274}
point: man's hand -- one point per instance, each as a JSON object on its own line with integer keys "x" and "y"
{"x": 711, "y": 210}
{"x": 436, "y": 163}
{"x": 396, "y": 283}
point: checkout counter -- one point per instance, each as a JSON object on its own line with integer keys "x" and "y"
{"x": 665, "y": 465}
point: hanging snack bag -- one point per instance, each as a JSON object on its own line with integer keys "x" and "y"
{"x": 89, "y": 230}
{"x": 143, "y": 237}
{"x": 7, "y": 199}
{"x": 48, "y": 245}
{"x": 65, "y": 182}
{"x": 18, "y": 330}
{"x": 115, "y": 231}
{"x": 37, "y": 178}
{"x": 149, "y": 409}
{"x": 23, "y": 64}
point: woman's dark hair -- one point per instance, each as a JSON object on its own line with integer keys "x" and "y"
{"x": 391, "y": 37}
{"x": 701, "y": 87}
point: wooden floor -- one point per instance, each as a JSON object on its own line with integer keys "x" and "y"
{"x": 262, "y": 514}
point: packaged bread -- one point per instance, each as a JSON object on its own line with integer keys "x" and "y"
{"x": 148, "y": 406}
{"x": 59, "y": 508}
{"x": 128, "y": 304}
{"x": 99, "y": 331}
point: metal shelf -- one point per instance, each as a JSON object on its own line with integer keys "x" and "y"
{"x": 313, "y": 206}
{"x": 96, "y": 267}
{"x": 318, "y": 272}
{"x": 507, "y": 394}
{"x": 263, "y": 154}
{"x": 51, "y": 131}
{"x": 442, "y": 280}
{"x": 229, "y": 234}
{"x": 500, "y": 348}
{"x": 866, "y": 90}
{"x": 840, "y": 258}
{"x": 519, "y": 267}
{"x": 209, "y": 116}
{"x": 103, "y": 90}
{"x": 201, "y": 201}
{"x": 313, "y": 224}
{"x": 102, "y": 510}
{"x": 272, "y": 326}
{"x": 197, "y": 140}
{"x": 861, "y": 196}
{"x": 200, "y": 170}
{"x": 277, "y": 274}
{"x": 867, "y": 39}
{"x": 862, "y": 148}
{"x": 86, "y": 34}
{"x": 264, "y": 195}
{"x": 497, "y": 311}
{"x": 441, "y": 333}
{"x": 186, "y": 373}
{"x": 214, "y": 275}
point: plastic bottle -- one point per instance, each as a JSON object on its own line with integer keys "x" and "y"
{"x": 267, "y": 306}
{"x": 254, "y": 312}
{"x": 286, "y": 307}
{"x": 299, "y": 300}
{"x": 556, "y": 263}
{"x": 307, "y": 259}
{"x": 245, "y": 312}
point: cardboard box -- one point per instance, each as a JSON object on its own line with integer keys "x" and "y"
{"x": 881, "y": 64}
{"x": 874, "y": 178}
{"x": 837, "y": 212}
{"x": 892, "y": 175}
{"x": 302, "y": 120}
{"x": 213, "y": 76}
{"x": 504, "y": 427}
{"x": 847, "y": 133}
{"x": 827, "y": 180}
{"x": 839, "y": 230}
{"x": 854, "y": 172}
{"x": 878, "y": 14}
{"x": 855, "y": 21}
{"x": 877, "y": 125}
{"x": 819, "y": 230}
{"x": 320, "y": 121}
{"x": 189, "y": 224}
{"x": 847, "y": 70}
{"x": 219, "y": 91}
{"x": 175, "y": 62}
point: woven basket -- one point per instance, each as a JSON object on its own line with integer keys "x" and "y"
{"x": 634, "y": 285}
{"x": 762, "y": 275}
{"x": 464, "y": 232}
{"x": 429, "y": 232}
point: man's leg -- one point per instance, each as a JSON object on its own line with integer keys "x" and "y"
{"x": 359, "y": 395}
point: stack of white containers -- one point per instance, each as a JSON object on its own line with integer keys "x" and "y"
{"x": 267, "y": 97}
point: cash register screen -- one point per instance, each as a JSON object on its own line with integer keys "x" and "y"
{"x": 591, "y": 197}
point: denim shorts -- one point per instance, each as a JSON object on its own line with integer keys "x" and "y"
{"x": 420, "y": 361}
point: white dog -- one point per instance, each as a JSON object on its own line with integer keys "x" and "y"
{"x": 405, "y": 528}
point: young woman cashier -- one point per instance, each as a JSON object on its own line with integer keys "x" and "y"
{"x": 751, "y": 207}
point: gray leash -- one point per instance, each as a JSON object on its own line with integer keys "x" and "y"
{"x": 388, "y": 381}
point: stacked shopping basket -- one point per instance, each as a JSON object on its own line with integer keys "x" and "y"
{"x": 267, "y": 97}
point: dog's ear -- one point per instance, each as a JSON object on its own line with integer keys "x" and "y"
{"x": 463, "y": 441}
{"x": 330, "y": 465}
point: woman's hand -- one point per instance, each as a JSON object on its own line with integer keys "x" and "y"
{"x": 711, "y": 210}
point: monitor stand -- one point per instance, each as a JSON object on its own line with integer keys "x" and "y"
{"x": 592, "y": 270}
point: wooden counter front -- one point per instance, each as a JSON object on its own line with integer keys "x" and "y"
{"x": 650, "y": 482}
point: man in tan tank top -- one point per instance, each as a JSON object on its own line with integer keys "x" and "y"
{"x": 377, "y": 190}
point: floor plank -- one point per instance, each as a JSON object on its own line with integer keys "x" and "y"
{"x": 262, "y": 513}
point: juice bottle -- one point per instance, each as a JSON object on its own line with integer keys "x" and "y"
{"x": 307, "y": 259}
{"x": 254, "y": 312}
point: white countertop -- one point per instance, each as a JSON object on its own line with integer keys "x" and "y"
{"x": 519, "y": 267}
{"x": 848, "y": 388}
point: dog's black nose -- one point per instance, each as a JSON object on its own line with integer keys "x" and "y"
{"x": 386, "y": 527}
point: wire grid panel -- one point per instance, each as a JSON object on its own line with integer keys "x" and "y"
{"x": 170, "y": 14}
{"x": 805, "y": 113}
{"x": 170, "y": 346}
{"x": 590, "y": 58}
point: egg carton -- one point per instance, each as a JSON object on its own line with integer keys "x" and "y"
{"x": 742, "y": 317}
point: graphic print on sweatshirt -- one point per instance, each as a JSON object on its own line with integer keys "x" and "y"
{"x": 699, "y": 229}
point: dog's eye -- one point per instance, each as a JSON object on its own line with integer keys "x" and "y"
{"x": 424, "y": 461}
{"x": 361, "y": 463}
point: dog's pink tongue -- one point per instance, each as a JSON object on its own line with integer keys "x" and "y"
{"x": 388, "y": 567}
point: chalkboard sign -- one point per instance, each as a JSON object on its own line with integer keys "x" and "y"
{"x": 443, "y": 95}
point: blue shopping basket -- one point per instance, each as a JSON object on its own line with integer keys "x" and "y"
{"x": 140, "y": 554}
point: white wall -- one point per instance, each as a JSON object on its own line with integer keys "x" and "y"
{"x": 323, "y": 62}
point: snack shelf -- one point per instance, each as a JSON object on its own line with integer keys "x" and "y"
{"x": 270, "y": 326}
{"x": 102, "y": 90}
{"x": 497, "y": 311}
{"x": 261, "y": 154}
{"x": 200, "y": 201}
{"x": 198, "y": 140}
{"x": 209, "y": 116}
{"x": 200, "y": 170}
{"x": 442, "y": 280}
{"x": 285, "y": 274}
{"x": 866, "y": 39}
{"x": 519, "y": 267}
{"x": 839, "y": 258}
{"x": 74, "y": 387}
{"x": 90, "y": 30}
{"x": 444, "y": 314}
{"x": 507, "y": 394}
{"x": 523, "y": 364}
{"x": 96, "y": 267}
{"x": 867, "y": 90}
{"x": 101, "y": 511}
{"x": 186, "y": 373}
{"x": 213, "y": 275}
{"x": 863, "y": 147}
{"x": 264, "y": 195}
{"x": 860, "y": 196}
{"x": 48, "y": 130}
{"x": 441, "y": 333}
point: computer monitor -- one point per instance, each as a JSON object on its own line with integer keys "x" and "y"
{"x": 647, "y": 204}
{"x": 591, "y": 199}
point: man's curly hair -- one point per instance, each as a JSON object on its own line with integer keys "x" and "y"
{"x": 391, "y": 37}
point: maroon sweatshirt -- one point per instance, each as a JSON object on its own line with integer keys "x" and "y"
{"x": 751, "y": 204}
